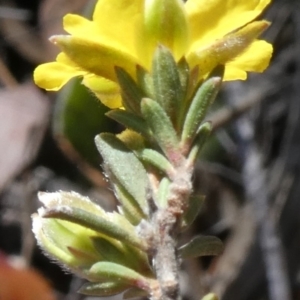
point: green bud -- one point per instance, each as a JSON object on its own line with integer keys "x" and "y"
{"x": 65, "y": 241}
{"x": 166, "y": 23}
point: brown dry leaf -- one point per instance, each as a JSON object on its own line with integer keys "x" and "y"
{"x": 24, "y": 115}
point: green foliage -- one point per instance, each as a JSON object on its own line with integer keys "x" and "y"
{"x": 166, "y": 81}
{"x": 115, "y": 272}
{"x": 116, "y": 228}
{"x": 201, "y": 246}
{"x": 161, "y": 126}
{"x": 125, "y": 167}
{"x": 149, "y": 166}
{"x": 103, "y": 289}
{"x": 130, "y": 91}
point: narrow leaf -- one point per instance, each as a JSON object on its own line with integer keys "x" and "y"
{"x": 145, "y": 81}
{"x": 130, "y": 120}
{"x": 108, "y": 251}
{"x": 202, "y": 136}
{"x": 204, "y": 97}
{"x": 184, "y": 74}
{"x": 125, "y": 166}
{"x": 94, "y": 222}
{"x": 157, "y": 160}
{"x": 114, "y": 272}
{"x": 131, "y": 93}
{"x": 163, "y": 192}
{"x": 103, "y": 289}
{"x": 125, "y": 255}
{"x": 130, "y": 207}
{"x": 166, "y": 81}
{"x": 201, "y": 246}
{"x": 162, "y": 128}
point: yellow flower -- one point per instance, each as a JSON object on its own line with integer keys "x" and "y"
{"x": 125, "y": 33}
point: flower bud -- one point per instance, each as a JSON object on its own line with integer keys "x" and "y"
{"x": 165, "y": 23}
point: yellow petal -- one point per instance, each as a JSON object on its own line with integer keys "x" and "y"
{"x": 52, "y": 76}
{"x": 120, "y": 20}
{"x": 107, "y": 91}
{"x": 255, "y": 59}
{"x": 234, "y": 73}
{"x": 94, "y": 57}
{"x": 92, "y": 31}
{"x": 214, "y": 19}
{"x": 77, "y": 25}
{"x": 224, "y": 50}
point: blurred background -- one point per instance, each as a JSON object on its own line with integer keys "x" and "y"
{"x": 249, "y": 170}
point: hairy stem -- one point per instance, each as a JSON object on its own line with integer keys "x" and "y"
{"x": 165, "y": 221}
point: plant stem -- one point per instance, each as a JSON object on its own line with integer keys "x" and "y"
{"x": 165, "y": 222}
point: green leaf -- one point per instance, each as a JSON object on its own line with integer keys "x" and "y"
{"x": 103, "y": 225}
{"x": 201, "y": 246}
{"x": 114, "y": 251}
{"x": 163, "y": 192}
{"x": 130, "y": 208}
{"x": 103, "y": 289}
{"x": 109, "y": 251}
{"x": 202, "y": 136}
{"x": 162, "y": 128}
{"x": 203, "y": 98}
{"x": 115, "y": 272}
{"x": 145, "y": 81}
{"x": 195, "y": 205}
{"x": 184, "y": 75}
{"x": 125, "y": 166}
{"x": 78, "y": 117}
{"x": 130, "y": 120}
{"x": 166, "y": 81}
{"x": 157, "y": 160}
{"x": 131, "y": 93}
